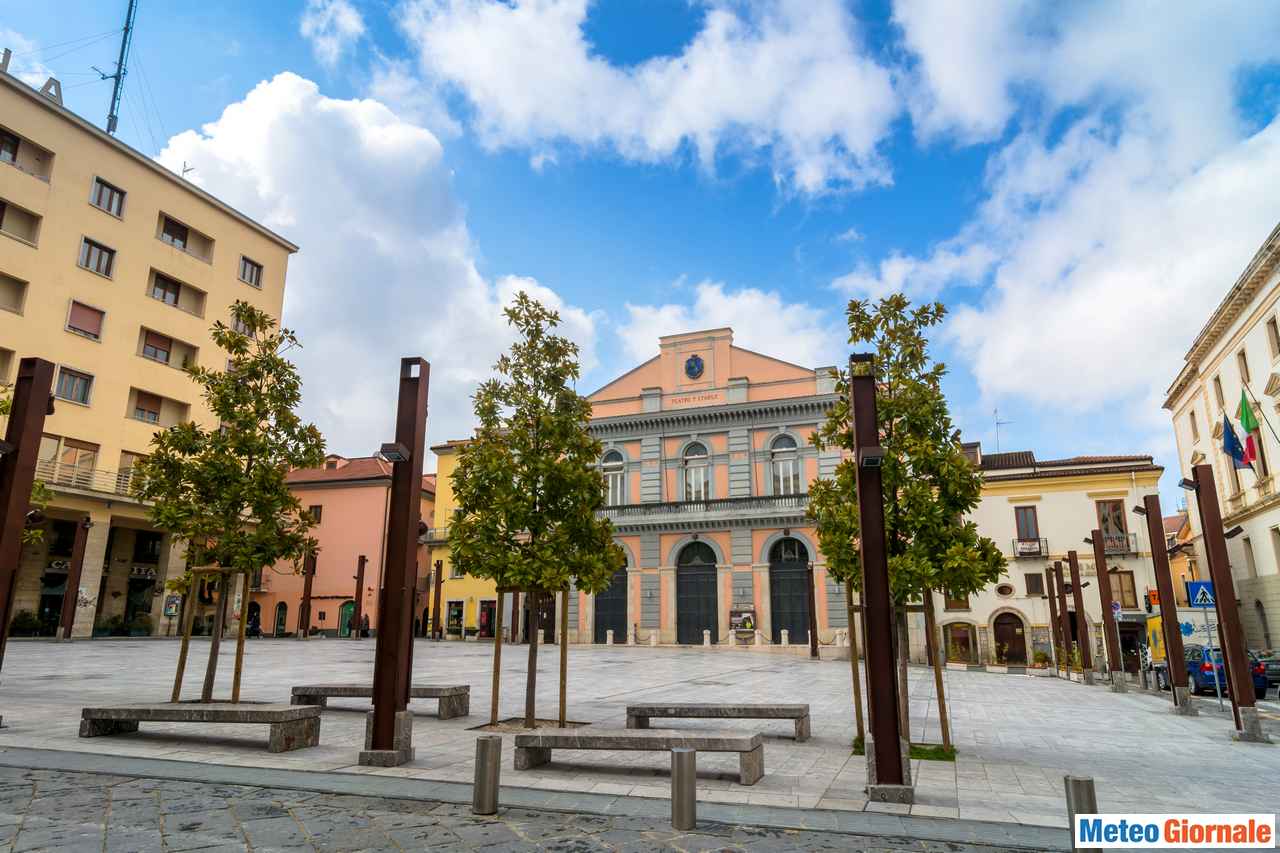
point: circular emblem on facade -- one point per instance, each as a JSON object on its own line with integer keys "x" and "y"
{"x": 693, "y": 366}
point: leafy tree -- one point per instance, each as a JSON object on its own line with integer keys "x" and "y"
{"x": 222, "y": 489}
{"x": 929, "y": 484}
{"x": 40, "y": 493}
{"x": 528, "y": 486}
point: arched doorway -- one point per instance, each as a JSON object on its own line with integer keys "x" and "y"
{"x": 789, "y": 590}
{"x": 696, "y": 594}
{"x": 254, "y": 625}
{"x": 961, "y": 642}
{"x": 1011, "y": 639}
{"x": 611, "y": 609}
{"x": 282, "y": 613}
{"x": 346, "y": 613}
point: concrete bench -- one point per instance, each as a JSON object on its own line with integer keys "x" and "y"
{"x": 455, "y": 699}
{"x": 291, "y": 727}
{"x": 638, "y": 716}
{"x": 533, "y": 749}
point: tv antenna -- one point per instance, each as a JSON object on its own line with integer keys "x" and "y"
{"x": 999, "y": 423}
{"x": 117, "y": 91}
{"x": 186, "y": 168}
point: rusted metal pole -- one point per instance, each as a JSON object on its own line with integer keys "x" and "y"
{"x": 357, "y": 616}
{"x": 1055, "y": 627}
{"x": 435, "y": 605}
{"x": 1173, "y": 654}
{"x": 1064, "y": 616}
{"x": 72, "y": 594}
{"x": 813, "y": 615}
{"x": 244, "y": 618}
{"x": 497, "y": 661}
{"x": 304, "y": 611}
{"x": 564, "y": 655}
{"x": 188, "y": 618}
{"x": 30, "y": 404}
{"x": 1082, "y": 619}
{"x": 853, "y": 665}
{"x": 1239, "y": 678}
{"x": 1109, "y": 629}
{"x": 934, "y": 638}
{"x": 394, "y": 652}
{"x": 878, "y": 612}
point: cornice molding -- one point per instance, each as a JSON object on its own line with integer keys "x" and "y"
{"x": 724, "y": 415}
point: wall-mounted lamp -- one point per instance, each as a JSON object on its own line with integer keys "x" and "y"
{"x": 1189, "y": 485}
{"x": 1088, "y": 540}
{"x": 871, "y": 457}
{"x": 1234, "y": 532}
{"x": 1139, "y": 510}
{"x": 394, "y": 451}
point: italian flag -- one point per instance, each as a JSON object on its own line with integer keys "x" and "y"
{"x": 1248, "y": 425}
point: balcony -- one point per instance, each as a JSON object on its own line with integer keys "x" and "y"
{"x": 679, "y": 514}
{"x": 62, "y": 476}
{"x": 1031, "y": 547}
{"x": 1124, "y": 543}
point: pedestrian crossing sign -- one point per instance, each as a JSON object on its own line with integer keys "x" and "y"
{"x": 1200, "y": 593}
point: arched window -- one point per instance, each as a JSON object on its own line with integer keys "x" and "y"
{"x": 615, "y": 478}
{"x": 785, "y": 460}
{"x": 697, "y": 473}
{"x": 696, "y": 554}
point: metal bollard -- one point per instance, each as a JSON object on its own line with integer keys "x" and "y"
{"x": 484, "y": 794}
{"x": 1082, "y": 798}
{"x": 653, "y": 638}
{"x": 684, "y": 789}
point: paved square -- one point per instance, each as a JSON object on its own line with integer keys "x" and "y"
{"x": 1017, "y": 735}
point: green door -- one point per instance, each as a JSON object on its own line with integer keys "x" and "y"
{"x": 345, "y": 614}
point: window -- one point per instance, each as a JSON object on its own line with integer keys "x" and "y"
{"x": 960, "y": 603}
{"x": 1123, "y": 591}
{"x": 65, "y": 460}
{"x": 8, "y": 147}
{"x": 1035, "y": 583}
{"x": 97, "y": 257}
{"x": 63, "y": 541}
{"x": 1195, "y": 427}
{"x": 175, "y": 234}
{"x": 1263, "y": 469}
{"x": 13, "y": 293}
{"x": 146, "y": 546}
{"x": 146, "y": 407}
{"x": 156, "y": 347}
{"x": 124, "y": 476}
{"x": 1028, "y": 523}
{"x": 615, "y": 478}
{"x": 785, "y": 460}
{"x": 86, "y": 321}
{"x": 1111, "y": 520}
{"x": 1242, "y": 362}
{"x": 1273, "y": 337}
{"x": 1217, "y": 393}
{"x": 74, "y": 386}
{"x": 697, "y": 481}
{"x": 107, "y": 197}
{"x": 1251, "y": 567}
{"x": 455, "y": 572}
{"x": 315, "y": 512}
{"x": 250, "y": 272}
{"x": 239, "y": 326}
{"x": 166, "y": 290}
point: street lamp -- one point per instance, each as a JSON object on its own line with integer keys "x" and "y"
{"x": 1140, "y": 510}
{"x": 1189, "y": 485}
{"x": 1233, "y": 532}
{"x": 394, "y": 451}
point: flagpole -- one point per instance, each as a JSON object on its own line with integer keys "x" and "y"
{"x": 1265, "y": 419}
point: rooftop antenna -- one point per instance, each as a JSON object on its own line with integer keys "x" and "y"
{"x": 117, "y": 92}
{"x": 999, "y": 423}
{"x": 186, "y": 168}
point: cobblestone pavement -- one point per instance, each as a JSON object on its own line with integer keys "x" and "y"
{"x": 1017, "y": 735}
{"x": 66, "y": 811}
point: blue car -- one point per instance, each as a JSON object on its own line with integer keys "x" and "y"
{"x": 1201, "y": 672}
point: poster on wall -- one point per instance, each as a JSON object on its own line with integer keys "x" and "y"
{"x": 742, "y": 621}
{"x": 172, "y": 603}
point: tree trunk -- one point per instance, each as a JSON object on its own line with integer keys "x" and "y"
{"x": 497, "y": 662}
{"x": 531, "y": 677}
{"x": 188, "y": 617}
{"x": 902, "y": 641}
{"x": 564, "y": 653}
{"x": 244, "y": 617}
{"x": 853, "y": 665}
{"x": 215, "y": 640}
{"x": 935, "y": 654}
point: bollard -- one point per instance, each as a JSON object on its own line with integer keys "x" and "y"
{"x": 706, "y": 637}
{"x": 786, "y": 637}
{"x": 608, "y": 637}
{"x": 484, "y": 794}
{"x": 653, "y": 638}
{"x": 1082, "y": 798}
{"x": 684, "y": 789}
{"x": 759, "y": 638}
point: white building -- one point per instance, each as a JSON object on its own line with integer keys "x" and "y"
{"x": 1239, "y": 348}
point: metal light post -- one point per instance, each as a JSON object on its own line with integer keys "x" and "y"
{"x": 32, "y": 401}
{"x": 1077, "y": 596}
{"x": 357, "y": 616}
{"x": 888, "y": 772}
{"x": 1239, "y": 679}
{"x": 1055, "y": 627}
{"x": 1174, "y": 657}
{"x": 389, "y": 728}
{"x": 1111, "y": 628}
{"x": 1064, "y": 616}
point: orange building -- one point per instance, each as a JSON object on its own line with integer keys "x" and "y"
{"x": 349, "y": 500}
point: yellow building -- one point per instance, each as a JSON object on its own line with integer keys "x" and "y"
{"x": 113, "y": 268}
{"x": 468, "y": 605}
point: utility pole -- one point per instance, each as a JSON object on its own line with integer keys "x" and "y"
{"x": 117, "y": 91}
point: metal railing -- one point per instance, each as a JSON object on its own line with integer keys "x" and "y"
{"x": 1030, "y": 547}
{"x": 1122, "y": 543}
{"x": 769, "y": 503}
{"x": 54, "y": 474}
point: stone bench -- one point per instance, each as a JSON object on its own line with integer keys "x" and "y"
{"x": 533, "y": 749}
{"x": 455, "y": 699}
{"x": 638, "y": 716}
{"x": 291, "y": 727}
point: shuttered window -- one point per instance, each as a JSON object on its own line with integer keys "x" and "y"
{"x": 157, "y": 347}
{"x": 147, "y": 407}
{"x": 86, "y": 321}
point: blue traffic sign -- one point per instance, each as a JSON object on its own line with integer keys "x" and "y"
{"x": 1200, "y": 594}
{"x": 1115, "y": 607}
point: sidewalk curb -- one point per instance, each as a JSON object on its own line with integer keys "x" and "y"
{"x": 945, "y": 830}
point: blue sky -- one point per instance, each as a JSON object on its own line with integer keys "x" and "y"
{"x": 1081, "y": 187}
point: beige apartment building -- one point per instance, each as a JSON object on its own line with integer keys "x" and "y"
{"x": 1238, "y": 350}
{"x": 113, "y": 268}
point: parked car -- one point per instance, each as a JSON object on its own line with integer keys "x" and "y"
{"x": 1201, "y": 672}
{"x": 1271, "y": 661}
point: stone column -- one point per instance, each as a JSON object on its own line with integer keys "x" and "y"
{"x": 95, "y": 556}
{"x": 173, "y": 562}
{"x": 724, "y": 580}
{"x": 764, "y": 613}
{"x": 667, "y": 589}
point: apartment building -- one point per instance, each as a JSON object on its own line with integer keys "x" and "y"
{"x": 113, "y": 268}
{"x": 1238, "y": 352}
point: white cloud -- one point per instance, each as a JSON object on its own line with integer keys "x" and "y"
{"x": 23, "y": 64}
{"x": 850, "y": 235}
{"x": 785, "y": 80}
{"x": 333, "y": 27}
{"x": 918, "y": 277}
{"x": 386, "y": 267}
{"x": 761, "y": 320}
